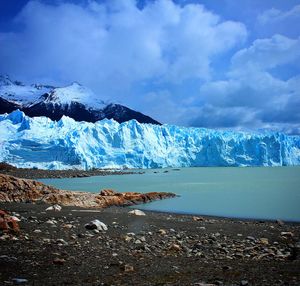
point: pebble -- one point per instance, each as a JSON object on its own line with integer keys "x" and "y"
{"x": 14, "y": 218}
{"x": 52, "y": 222}
{"x": 226, "y": 268}
{"x": 197, "y": 218}
{"x": 59, "y": 261}
{"x": 19, "y": 281}
{"x": 279, "y": 222}
{"x": 4, "y": 237}
{"x": 127, "y": 268}
{"x": 56, "y": 208}
{"x": 264, "y": 241}
{"x": 175, "y": 247}
{"x": 287, "y": 234}
{"x": 61, "y": 241}
{"x": 127, "y": 238}
{"x": 137, "y": 212}
{"x": 67, "y": 226}
{"x": 244, "y": 283}
{"x": 96, "y": 224}
{"x": 6, "y": 258}
{"x": 162, "y": 231}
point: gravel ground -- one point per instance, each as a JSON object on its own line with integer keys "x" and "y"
{"x": 54, "y": 248}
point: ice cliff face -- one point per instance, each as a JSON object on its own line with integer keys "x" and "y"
{"x": 43, "y": 143}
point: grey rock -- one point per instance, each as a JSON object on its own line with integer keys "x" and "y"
{"x": 19, "y": 281}
{"x": 61, "y": 241}
{"x": 279, "y": 222}
{"x": 226, "y": 268}
{"x": 6, "y": 258}
{"x": 96, "y": 224}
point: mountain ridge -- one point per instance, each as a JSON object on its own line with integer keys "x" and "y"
{"x": 75, "y": 101}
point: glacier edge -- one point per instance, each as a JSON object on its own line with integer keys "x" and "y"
{"x": 42, "y": 143}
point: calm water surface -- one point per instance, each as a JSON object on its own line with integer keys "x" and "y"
{"x": 263, "y": 192}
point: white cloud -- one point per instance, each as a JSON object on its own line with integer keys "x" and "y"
{"x": 112, "y": 46}
{"x": 274, "y": 15}
{"x": 252, "y": 92}
{"x": 267, "y": 53}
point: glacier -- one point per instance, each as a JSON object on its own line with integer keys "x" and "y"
{"x": 39, "y": 142}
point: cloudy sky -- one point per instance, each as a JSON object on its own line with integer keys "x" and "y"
{"x": 212, "y": 63}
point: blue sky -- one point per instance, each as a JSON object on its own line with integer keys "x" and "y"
{"x": 217, "y": 64}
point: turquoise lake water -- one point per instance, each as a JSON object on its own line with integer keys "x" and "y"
{"x": 254, "y": 192}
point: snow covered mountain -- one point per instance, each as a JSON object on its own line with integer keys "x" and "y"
{"x": 43, "y": 143}
{"x": 75, "y": 101}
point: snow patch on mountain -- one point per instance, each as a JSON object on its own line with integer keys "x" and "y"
{"x": 75, "y": 93}
{"x": 64, "y": 144}
{"x": 21, "y": 94}
{"x": 25, "y": 95}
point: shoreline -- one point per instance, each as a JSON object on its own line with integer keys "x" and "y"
{"x": 29, "y": 173}
{"x": 32, "y": 173}
{"x": 35, "y": 174}
{"x": 156, "y": 249}
{"x": 258, "y": 220}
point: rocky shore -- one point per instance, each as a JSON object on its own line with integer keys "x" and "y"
{"x": 13, "y": 189}
{"x": 56, "y": 248}
{"x": 27, "y": 173}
